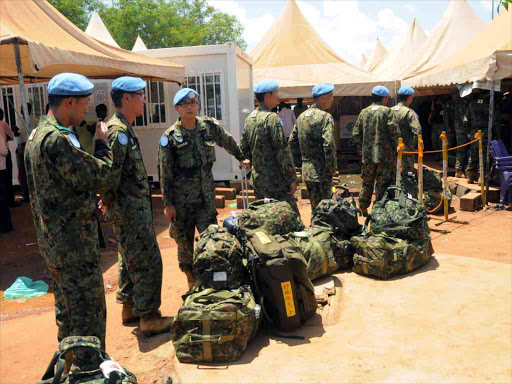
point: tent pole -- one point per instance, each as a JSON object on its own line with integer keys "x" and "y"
{"x": 24, "y": 106}
{"x": 489, "y": 139}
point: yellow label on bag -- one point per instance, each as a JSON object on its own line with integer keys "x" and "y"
{"x": 263, "y": 238}
{"x": 288, "y": 298}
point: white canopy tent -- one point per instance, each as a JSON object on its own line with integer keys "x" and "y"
{"x": 139, "y": 45}
{"x": 378, "y": 54}
{"x": 97, "y": 29}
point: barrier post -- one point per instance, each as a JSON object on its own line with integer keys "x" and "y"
{"x": 445, "y": 173}
{"x": 400, "y": 150}
{"x": 479, "y": 136}
{"x": 420, "y": 168}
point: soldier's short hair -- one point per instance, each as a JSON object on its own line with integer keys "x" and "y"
{"x": 55, "y": 100}
{"x": 377, "y": 98}
{"x": 403, "y": 97}
{"x": 117, "y": 98}
{"x": 260, "y": 97}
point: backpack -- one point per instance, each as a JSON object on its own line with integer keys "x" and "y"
{"x": 432, "y": 190}
{"x": 106, "y": 366}
{"x": 403, "y": 217}
{"x": 273, "y": 216}
{"x": 324, "y": 251}
{"x": 215, "y": 325}
{"x": 217, "y": 260}
{"x": 280, "y": 279}
{"x": 339, "y": 213}
{"x": 384, "y": 256}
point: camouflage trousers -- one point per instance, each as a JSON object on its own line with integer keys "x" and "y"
{"x": 318, "y": 191}
{"x": 435, "y": 133}
{"x": 80, "y": 307}
{"x": 462, "y": 153}
{"x": 188, "y": 218}
{"x": 380, "y": 175}
{"x": 139, "y": 266}
{"x": 474, "y": 154}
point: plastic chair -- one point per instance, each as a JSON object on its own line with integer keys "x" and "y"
{"x": 503, "y": 166}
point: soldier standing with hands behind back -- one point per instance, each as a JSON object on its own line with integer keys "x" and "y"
{"x": 313, "y": 138}
{"x": 185, "y": 159}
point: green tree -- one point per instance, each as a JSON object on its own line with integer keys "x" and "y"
{"x": 505, "y": 4}
{"x": 76, "y": 11}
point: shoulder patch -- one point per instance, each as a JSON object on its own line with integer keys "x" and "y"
{"x": 122, "y": 138}
{"x": 178, "y": 139}
{"x": 375, "y": 107}
{"x": 308, "y": 113}
{"x": 32, "y": 134}
{"x": 397, "y": 108}
{"x": 74, "y": 140}
{"x": 164, "y": 141}
{"x": 481, "y": 101}
{"x": 254, "y": 113}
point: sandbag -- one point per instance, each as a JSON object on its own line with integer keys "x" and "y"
{"x": 384, "y": 256}
{"x": 280, "y": 279}
{"x": 215, "y": 326}
{"x": 217, "y": 261}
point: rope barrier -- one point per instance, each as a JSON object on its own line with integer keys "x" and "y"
{"x": 440, "y": 150}
{"x": 436, "y": 208}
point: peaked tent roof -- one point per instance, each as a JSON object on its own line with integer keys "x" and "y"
{"x": 376, "y": 57}
{"x": 97, "y": 29}
{"x": 50, "y": 44}
{"x": 487, "y": 57}
{"x": 139, "y": 45}
{"x": 363, "y": 61}
{"x": 392, "y": 65}
{"x": 291, "y": 40}
{"x": 458, "y": 25}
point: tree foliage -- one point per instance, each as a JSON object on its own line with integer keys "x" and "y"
{"x": 505, "y": 4}
{"x": 160, "y": 23}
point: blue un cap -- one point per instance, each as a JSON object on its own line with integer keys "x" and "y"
{"x": 406, "y": 91}
{"x": 185, "y": 94}
{"x": 70, "y": 84}
{"x": 380, "y": 90}
{"x": 128, "y": 84}
{"x": 322, "y": 89}
{"x": 266, "y": 86}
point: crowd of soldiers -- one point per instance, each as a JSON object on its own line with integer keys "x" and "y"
{"x": 64, "y": 179}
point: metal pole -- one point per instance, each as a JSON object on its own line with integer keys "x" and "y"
{"x": 489, "y": 139}
{"x": 420, "y": 169}
{"x": 399, "y": 165}
{"x": 22, "y": 87}
{"x": 479, "y": 136}
{"x": 444, "y": 138}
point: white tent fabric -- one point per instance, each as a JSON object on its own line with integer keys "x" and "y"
{"x": 392, "y": 65}
{"x": 378, "y": 53}
{"x": 363, "y": 62}
{"x": 97, "y": 29}
{"x": 458, "y": 25}
{"x": 139, "y": 45}
{"x": 487, "y": 57}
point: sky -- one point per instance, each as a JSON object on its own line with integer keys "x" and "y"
{"x": 359, "y": 22}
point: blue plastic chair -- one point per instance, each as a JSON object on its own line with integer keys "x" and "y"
{"x": 503, "y": 166}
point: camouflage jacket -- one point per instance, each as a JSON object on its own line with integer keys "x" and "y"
{"x": 185, "y": 161}
{"x": 263, "y": 142}
{"x": 408, "y": 124}
{"x": 449, "y": 115}
{"x": 376, "y": 134}
{"x": 477, "y": 115}
{"x": 129, "y": 192}
{"x": 461, "y": 108}
{"x": 62, "y": 179}
{"x": 312, "y": 136}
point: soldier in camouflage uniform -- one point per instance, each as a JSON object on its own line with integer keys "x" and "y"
{"x": 186, "y": 156}
{"x": 449, "y": 119}
{"x": 460, "y": 109}
{"x": 477, "y": 118}
{"x": 129, "y": 205}
{"x": 376, "y": 136}
{"x": 264, "y": 144}
{"x": 409, "y": 127}
{"x": 61, "y": 180}
{"x": 312, "y": 137}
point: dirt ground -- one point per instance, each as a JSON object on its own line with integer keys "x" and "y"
{"x": 28, "y": 330}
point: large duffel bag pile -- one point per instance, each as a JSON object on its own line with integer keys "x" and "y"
{"x": 432, "y": 190}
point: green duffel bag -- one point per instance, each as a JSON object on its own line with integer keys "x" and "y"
{"x": 273, "y": 216}
{"x": 384, "y": 256}
{"x": 432, "y": 190}
{"x": 108, "y": 371}
{"x": 215, "y": 325}
{"x": 218, "y": 259}
{"x": 281, "y": 282}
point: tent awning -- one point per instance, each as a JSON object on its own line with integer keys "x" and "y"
{"x": 51, "y": 44}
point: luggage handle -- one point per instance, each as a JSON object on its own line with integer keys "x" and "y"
{"x": 221, "y": 339}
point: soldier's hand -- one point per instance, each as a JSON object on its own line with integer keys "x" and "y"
{"x": 293, "y": 188}
{"x": 170, "y": 213}
{"x": 101, "y": 131}
{"x": 246, "y": 164}
{"x": 103, "y": 208}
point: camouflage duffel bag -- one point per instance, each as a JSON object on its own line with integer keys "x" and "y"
{"x": 340, "y": 213}
{"x": 384, "y": 256}
{"x": 108, "y": 371}
{"x": 273, "y": 216}
{"x": 215, "y": 325}
{"x": 217, "y": 260}
{"x": 432, "y": 190}
{"x": 403, "y": 217}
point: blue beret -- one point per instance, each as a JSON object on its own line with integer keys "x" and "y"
{"x": 380, "y": 90}
{"x": 266, "y": 86}
{"x": 184, "y": 95}
{"x": 406, "y": 91}
{"x": 128, "y": 84}
{"x": 70, "y": 84}
{"x": 322, "y": 89}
